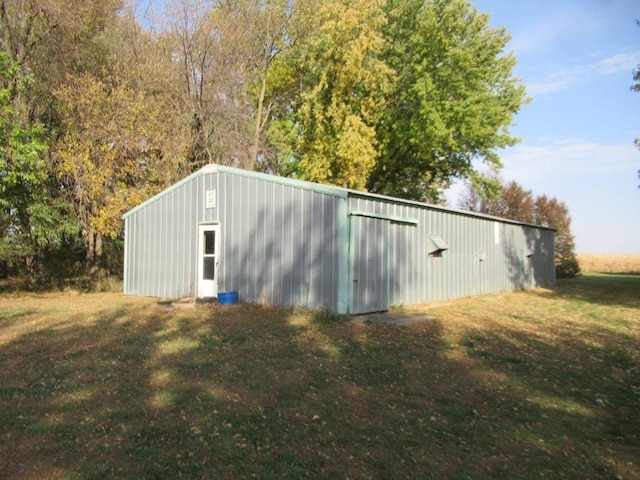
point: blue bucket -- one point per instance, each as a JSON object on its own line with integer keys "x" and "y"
{"x": 227, "y": 298}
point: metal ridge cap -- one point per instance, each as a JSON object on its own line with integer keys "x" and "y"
{"x": 293, "y": 182}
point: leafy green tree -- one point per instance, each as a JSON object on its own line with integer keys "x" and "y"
{"x": 33, "y": 217}
{"x": 342, "y": 85}
{"x": 45, "y": 41}
{"x": 453, "y": 101}
{"x": 397, "y": 97}
{"x": 55, "y": 36}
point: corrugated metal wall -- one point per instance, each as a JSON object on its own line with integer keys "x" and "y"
{"x": 282, "y": 244}
{"x": 161, "y": 239}
{"x": 285, "y": 242}
{"x": 484, "y": 255}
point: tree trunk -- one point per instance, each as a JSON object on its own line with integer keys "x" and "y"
{"x": 93, "y": 260}
{"x": 256, "y": 132}
{"x": 31, "y": 262}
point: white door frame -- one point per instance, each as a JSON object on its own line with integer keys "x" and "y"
{"x": 208, "y": 258}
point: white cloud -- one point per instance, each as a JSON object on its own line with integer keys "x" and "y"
{"x": 567, "y": 77}
{"x": 533, "y": 166}
{"x": 552, "y": 83}
{"x": 624, "y": 61}
{"x": 568, "y": 157}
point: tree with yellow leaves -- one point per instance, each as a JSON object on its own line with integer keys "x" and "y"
{"x": 110, "y": 156}
{"x": 342, "y": 84}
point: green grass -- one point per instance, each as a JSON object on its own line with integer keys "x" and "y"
{"x": 538, "y": 384}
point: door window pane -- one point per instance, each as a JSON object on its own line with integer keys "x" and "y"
{"x": 209, "y": 267}
{"x": 209, "y": 243}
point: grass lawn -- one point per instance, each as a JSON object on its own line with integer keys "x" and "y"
{"x": 525, "y": 385}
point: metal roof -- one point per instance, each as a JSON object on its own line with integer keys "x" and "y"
{"x": 320, "y": 188}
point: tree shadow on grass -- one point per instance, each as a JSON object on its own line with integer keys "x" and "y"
{"x": 576, "y": 393}
{"x": 604, "y": 289}
{"x": 137, "y": 391}
{"x": 505, "y": 404}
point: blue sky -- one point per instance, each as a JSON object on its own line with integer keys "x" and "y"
{"x": 576, "y": 59}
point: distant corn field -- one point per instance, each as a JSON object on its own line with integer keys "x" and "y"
{"x": 609, "y": 263}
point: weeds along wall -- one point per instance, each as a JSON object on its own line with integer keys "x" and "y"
{"x": 286, "y": 242}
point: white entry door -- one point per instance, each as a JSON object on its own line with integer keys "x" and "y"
{"x": 208, "y": 251}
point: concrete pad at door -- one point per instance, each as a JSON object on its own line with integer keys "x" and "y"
{"x": 392, "y": 318}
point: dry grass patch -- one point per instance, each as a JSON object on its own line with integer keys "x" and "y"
{"x": 590, "y": 263}
{"x": 519, "y": 385}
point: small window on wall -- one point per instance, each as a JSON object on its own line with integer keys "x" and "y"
{"x": 437, "y": 246}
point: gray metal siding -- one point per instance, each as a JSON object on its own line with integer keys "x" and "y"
{"x": 285, "y": 242}
{"x": 484, "y": 255}
{"x": 161, "y": 239}
{"x": 280, "y": 244}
